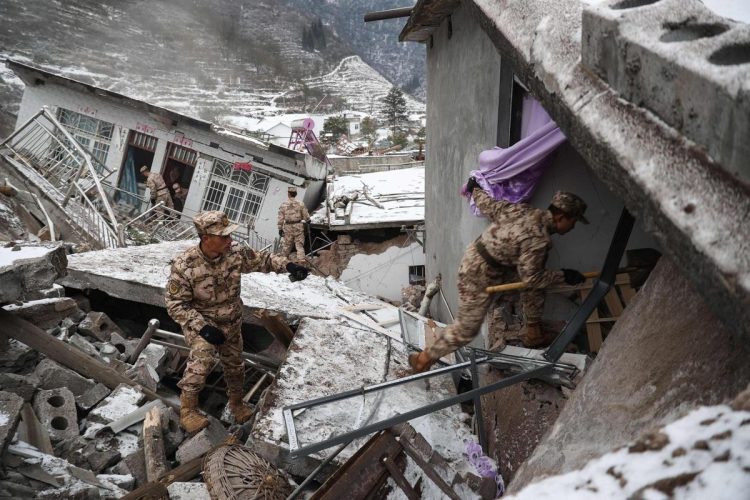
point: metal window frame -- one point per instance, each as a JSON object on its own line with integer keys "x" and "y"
{"x": 545, "y": 370}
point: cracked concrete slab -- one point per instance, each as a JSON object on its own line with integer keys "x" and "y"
{"x": 114, "y": 271}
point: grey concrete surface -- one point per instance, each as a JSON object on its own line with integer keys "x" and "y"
{"x": 10, "y": 411}
{"x": 462, "y": 104}
{"x": 28, "y": 267}
{"x": 695, "y": 212}
{"x": 53, "y": 376}
{"x": 667, "y": 354}
{"x": 683, "y": 62}
{"x": 202, "y": 442}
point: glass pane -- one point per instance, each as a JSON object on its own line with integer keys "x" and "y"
{"x": 222, "y": 169}
{"x": 240, "y": 177}
{"x": 252, "y": 205}
{"x": 214, "y": 196}
{"x": 260, "y": 182}
{"x": 87, "y": 124}
{"x": 105, "y": 130}
{"x": 234, "y": 202}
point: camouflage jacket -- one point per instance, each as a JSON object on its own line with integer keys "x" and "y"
{"x": 291, "y": 212}
{"x": 201, "y": 291}
{"x": 155, "y": 184}
{"x": 519, "y": 236}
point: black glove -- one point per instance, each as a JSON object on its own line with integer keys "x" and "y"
{"x": 281, "y": 232}
{"x": 153, "y": 201}
{"x": 212, "y": 335}
{"x": 471, "y": 184}
{"x": 573, "y": 277}
{"x": 297, "y": 272}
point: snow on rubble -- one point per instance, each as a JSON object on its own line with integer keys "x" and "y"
{"x": 327, "y": 357}
{"x": 705, "y": 454}
{"x": 140, "y": 273}
{"x": 399, "y": 192}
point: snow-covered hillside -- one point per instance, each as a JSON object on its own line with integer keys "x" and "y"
{"x": 205, "y": 58}
{"x": 361, "y": 86}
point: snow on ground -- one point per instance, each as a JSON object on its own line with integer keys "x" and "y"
{"x": 400, "y": 192}
{"x": 10, "y": 257}
{"x": 705, "y": 454}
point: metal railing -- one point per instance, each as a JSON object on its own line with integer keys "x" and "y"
{"x": 73, "y": 175}
{"x": 33, "y": 199}
{"x": 157, "y": 224}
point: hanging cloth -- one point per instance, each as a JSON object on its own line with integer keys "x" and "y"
{"x": 128, "y": 182}
{"x": 513, "y": 173}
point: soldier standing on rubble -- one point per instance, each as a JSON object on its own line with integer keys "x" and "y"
{"x": 292, "y": 213}
{"x": 515, "y": 244}
{"x": 203, "y": 297}
{"x": 158, "y": 188}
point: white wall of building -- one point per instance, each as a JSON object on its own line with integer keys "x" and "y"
{"x": 191, "y": 136}
{"x": 383, "y": 274}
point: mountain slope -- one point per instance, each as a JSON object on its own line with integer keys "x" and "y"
{"x": 206, "y": 58}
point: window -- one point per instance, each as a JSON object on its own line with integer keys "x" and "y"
{"x": 238, "y": 193}
{"x": 94, "y": 135}
{"x": 416, "y": 275}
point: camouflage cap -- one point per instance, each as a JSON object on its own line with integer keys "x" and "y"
{"x": 291, "y": 189}
{"x": 214, "y": 222}
{"x": 144, "y": 168}
{"x": 571, "y": 204}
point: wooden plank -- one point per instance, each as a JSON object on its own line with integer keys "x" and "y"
{"x": 401, "y": 481}
{"x": 68, "y": 356}
{"x": 594, "y": 329}
{"x": 628, "y": 293}
{"x": 613, "y": 303}
{"x": 184, "y": 472}
{"x": 363, "y": 474}
{"x": 153, "y": 445}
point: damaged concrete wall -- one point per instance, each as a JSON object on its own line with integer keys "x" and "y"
{"x": 450, "y": 226}
{"x": 381, "y": 269}
{"x": 460, "y": 126}
{"x": 666, "y": 355}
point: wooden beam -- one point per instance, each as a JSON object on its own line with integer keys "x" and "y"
{"x": 184, "y": 472}
{"x": 67, "y": 355}
{"x": 153, "y": 445}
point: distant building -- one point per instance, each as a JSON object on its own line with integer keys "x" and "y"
{"x": 375, "y": 221}
{"x": 124, "y": 133}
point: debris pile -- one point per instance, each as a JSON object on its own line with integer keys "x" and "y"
{"x": 68, "y": 435}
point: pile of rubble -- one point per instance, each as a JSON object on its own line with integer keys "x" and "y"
{"x": 90, "y": 407}
{"x": 67, "y": 435}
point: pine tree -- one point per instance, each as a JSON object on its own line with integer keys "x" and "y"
{"x": 394, "y": 109}
{"x": 333, "y": 128}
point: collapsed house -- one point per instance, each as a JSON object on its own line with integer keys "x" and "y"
{"x": 374, "y": 222}
{"x": 671, "y": 153}
{"x": 64, "y": 124}
{"x": 327, "y": 364}
{"x": 106, "y": 383}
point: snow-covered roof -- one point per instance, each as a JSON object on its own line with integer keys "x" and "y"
{"x": 400, "y": 194}
{"x": 31, "y": 74}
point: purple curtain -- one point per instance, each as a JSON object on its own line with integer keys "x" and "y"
{"x": 512, "y": 173}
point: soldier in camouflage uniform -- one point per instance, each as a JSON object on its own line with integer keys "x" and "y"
{"x": 203, "y": 297}
{"x": 514, "y": 245}
{"x": 157, "y": 187}
{"x": 292, "y": 213}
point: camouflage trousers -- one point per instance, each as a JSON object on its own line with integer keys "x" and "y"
{"x": 163, "y": 196}
{"x": 203, "y": 357}
{"x": 294, "y": 235}
{"x": 474, "y": 276}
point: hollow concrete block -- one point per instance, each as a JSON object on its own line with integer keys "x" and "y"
{"x": 56, "y": 410}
